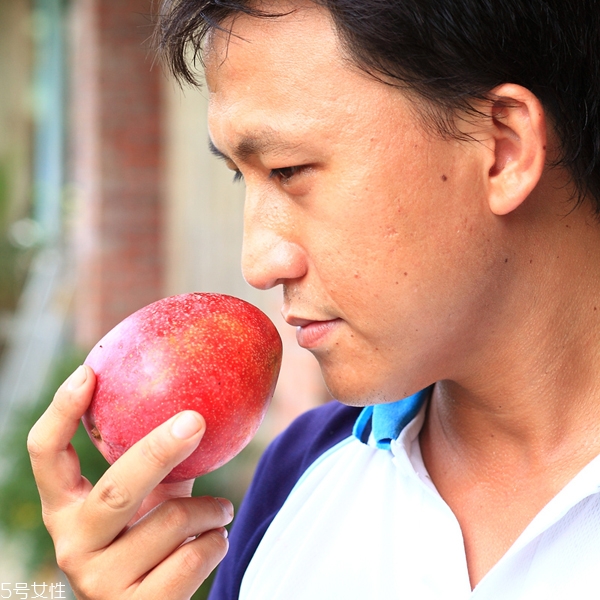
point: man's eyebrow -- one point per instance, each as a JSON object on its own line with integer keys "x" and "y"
{"x": 251, "y": 146}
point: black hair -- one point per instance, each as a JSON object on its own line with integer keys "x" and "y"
{"x": 450, "y": 52}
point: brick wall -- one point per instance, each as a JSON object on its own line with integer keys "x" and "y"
{"x": 116, "y": 164}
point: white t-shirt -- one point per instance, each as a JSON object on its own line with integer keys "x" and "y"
{"x": 367, "y": 523}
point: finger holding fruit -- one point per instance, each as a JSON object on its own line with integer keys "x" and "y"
{"x": 136, "y": 534}
{"x": 100, "y": 555}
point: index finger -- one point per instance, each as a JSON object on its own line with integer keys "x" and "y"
{"x": 117, "y": 496}
{"x": 54, "y": 462}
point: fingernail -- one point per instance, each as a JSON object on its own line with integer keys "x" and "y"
{"x": 226, "y": 505}
{"x": 78, "y": 378}
{"x": 186, "y": 425}
{"x": 223, "y": 532}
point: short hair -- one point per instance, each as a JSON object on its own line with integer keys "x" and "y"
{"x": 451, "y": 53}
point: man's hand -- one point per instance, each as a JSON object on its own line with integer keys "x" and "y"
{"x": 128, "y": 537}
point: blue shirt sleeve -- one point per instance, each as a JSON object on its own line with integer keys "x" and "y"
{"x": 282, "y": 464}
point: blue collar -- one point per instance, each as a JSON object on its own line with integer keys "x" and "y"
{"x": 386, "y": 421}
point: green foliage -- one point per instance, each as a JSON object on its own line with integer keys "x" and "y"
{"x": 3, "y": 196}
{"x": 20, "y": 512}
{"x": 14, "y": 262}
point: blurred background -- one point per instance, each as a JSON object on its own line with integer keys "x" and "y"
{"x": 109, "y": 200}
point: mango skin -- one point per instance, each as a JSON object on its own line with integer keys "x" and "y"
{"x": 212, "y": 353}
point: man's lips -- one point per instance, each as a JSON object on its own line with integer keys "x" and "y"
{"x": 298, "y": 321}
{"x": 312, "y": 333}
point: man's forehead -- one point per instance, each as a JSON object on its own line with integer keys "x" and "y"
{"x": 277, "y": 83}
{"x": 270, "y": 75}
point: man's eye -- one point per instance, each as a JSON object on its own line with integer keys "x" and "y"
{"x": 284, "y": 174}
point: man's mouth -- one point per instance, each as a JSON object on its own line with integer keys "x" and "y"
{"x": 311, "y": 334}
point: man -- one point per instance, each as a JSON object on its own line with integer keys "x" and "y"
{"x": 423, "y": 179}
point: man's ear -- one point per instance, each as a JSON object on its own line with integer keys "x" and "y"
{"x": 518, "y": 126}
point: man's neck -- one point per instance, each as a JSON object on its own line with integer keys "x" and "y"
{"x": 505, "y": 435}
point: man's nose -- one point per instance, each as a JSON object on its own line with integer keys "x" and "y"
{"x": 271, "y": 251}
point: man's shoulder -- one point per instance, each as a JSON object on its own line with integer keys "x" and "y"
{"x": 310, "y": 435}
{"x": 294, "y": 451}
{"x": 281, "y": 466}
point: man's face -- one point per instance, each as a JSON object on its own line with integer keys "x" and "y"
{"x": 378, "y": 231}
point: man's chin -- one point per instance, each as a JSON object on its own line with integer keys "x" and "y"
{"x": 354, "y": 395}
{"x": 355, "y": 390}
